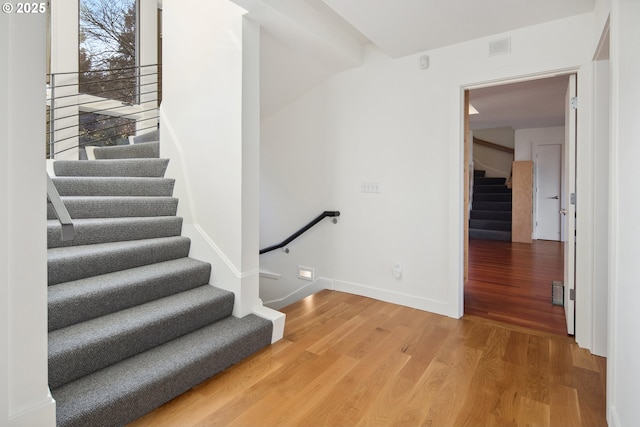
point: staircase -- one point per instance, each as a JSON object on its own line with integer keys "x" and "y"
{"x": 133, "y": 321}
{"x": 490, "y": 217}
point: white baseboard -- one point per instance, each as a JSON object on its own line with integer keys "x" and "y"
{"x": 412, "y": 301}
{"x": 41, "y": 414}
{"x": 613, "y": 420}
{"x": 310, "y": 289}
{"x": 275, "y": 317}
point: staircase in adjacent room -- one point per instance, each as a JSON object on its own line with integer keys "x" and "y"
{"x": 490, "y": 217}
{"x": 133, "y": 321}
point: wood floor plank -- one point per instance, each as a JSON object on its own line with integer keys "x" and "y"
{"x": 297, "y": 410}
{"x": 367, "y": 363}
{"x": 566, "y": 411}
{"x": 485, "y": 382}
{"x": 510, "y": 384}
{"x": 449, "y": 401}
{"x": 532, "y": 413}
{"x": 423, "y": 395}
{"x": 538, "y": 369}
{"x": 362, "y": 383}
{"x": 511, "y": 282}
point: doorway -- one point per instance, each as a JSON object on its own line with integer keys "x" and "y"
{"x": 547, "y": 191}
{"x": 507, "y": 281}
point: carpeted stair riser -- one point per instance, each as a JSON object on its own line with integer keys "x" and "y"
{"x": 85, "y": 299}
{"x": 490, "y": 225}
{"x": 89, "y": 346}
{"x": 491, "y": 197}
{"x": 491, "y": 189}
{"x": 123, "y": 392}
{"x": 114, "y": 207}
{"x": 133, "y": 322}
{"x": 492, "y": 206}
{"x": 129, "y": 151}
{"x": 90, "y": 231}
{"x": 77, "y": 262}
{"x": 491, "y": 215}
{"x": 489, "y": 181}
{"x": 113, "y": 186}
{"x": 154, "y": 168}
{"x": 504, "y": 236}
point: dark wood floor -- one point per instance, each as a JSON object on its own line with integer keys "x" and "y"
{"x": 347, "y": 360}
{"x": 511, "y": 282}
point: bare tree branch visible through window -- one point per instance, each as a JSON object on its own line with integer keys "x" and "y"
{"x": 107, "y": 61}
{"x": 108, "y": 49}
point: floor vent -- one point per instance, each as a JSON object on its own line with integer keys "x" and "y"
{"x": 557, "y": 293}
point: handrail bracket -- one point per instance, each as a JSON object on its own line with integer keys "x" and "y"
{"x": 285, "y": 242}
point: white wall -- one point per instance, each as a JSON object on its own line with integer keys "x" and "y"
{"x": 390, "y": 122}
{"x": 525, "y": 138}
{"x": 495, "y": 163}
{"x": 623, "y": 368}
{"x": 210, "y": 131}
{"x": 24, "y": 393}
{"x": 501, "y": 136}
{"x": 201, "y": 126}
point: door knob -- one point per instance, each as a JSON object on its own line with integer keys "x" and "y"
{"x": 554, "y": 197}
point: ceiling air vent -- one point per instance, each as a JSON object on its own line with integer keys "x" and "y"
{"x": 501, "y": 46}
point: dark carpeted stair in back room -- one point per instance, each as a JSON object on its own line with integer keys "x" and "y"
{"x": 490, "y": 217}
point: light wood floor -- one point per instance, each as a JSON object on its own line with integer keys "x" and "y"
{"x": 347, "y": 360}
{"x": 511, "y": 282}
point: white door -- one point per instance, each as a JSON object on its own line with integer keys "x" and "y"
{"x": 569, "y": 207}
{"x": 548, "y": 160}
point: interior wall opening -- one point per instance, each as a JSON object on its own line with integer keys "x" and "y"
{"x": 516, "y": 176}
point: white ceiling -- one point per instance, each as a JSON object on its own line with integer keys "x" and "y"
{"x": 307, "y": 41}
{"x": 524, "y": 105}
{"x": 404, "y": 27}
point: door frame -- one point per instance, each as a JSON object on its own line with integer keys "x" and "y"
{"x": 458, "y": 259}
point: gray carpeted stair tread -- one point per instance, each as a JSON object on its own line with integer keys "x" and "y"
{"x": 129, "y": 151}
{"x": 491, "y": 189}
{"x": 492, "y": 206}
{"x": 85, "y": 299}
{"x": 491, "y": 215}
{"x": 77, "y": 262}
{"x": 490, "y": 235}
{"x": 90, "y": 231}
{"x": 133, "y": 322}
{"x": 117, "y": 206}
{"x": 491, "y": 197}
{"x": 119, "y": 167}
{"x": 87, "y": 347}
{"x": 489, "y": 181}
{"x": 125, "y": 391}
{"x": 113, "y": 186}
{"x": 485, "y": 224}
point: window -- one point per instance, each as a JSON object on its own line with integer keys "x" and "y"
{"x": 108, "y": 49}
{"x": 100, "y": 130}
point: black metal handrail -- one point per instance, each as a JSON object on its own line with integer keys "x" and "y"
{"x": 298, "y": 233}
